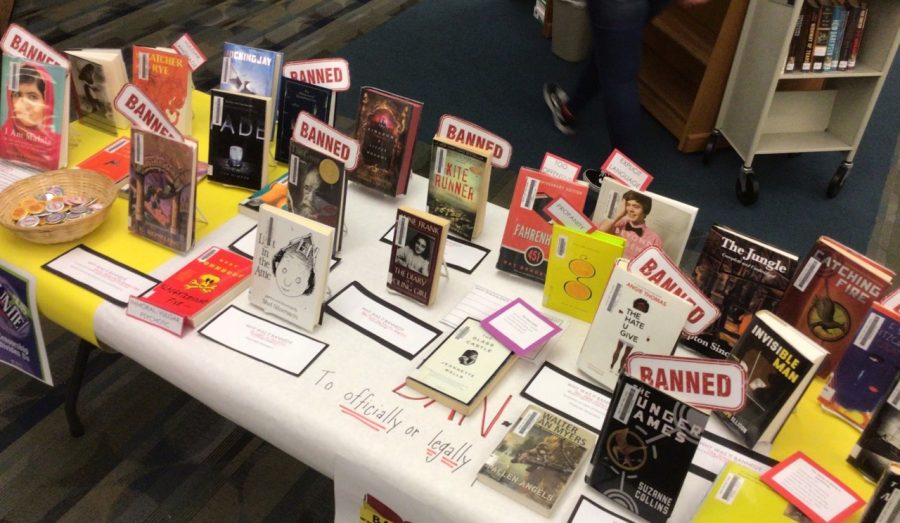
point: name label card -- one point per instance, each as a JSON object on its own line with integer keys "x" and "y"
{"x": 568, "y": 396}
{"x": 318, "y": 136}
{"x": 140, "y": 110}
{"x": 19, "y": 42}
{"x": 707, "y": 384}
{"x": 812, "y": 489}
{"x": 108, "y": 278}
{"x": 626, "y": 171}
{"x": 330, "y": 73}
{"x": 520, "y": 327}
{"x": 141, "y": 310}
{"x": 560, "y": 167}
{"x": 186, "y": 47}
{"x": 464, "y": 132}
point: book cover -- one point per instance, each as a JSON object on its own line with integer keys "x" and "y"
{"x": 884, "y": 506}
{"x": 162, "y": 196}
{"x": 290, "y": 266}
{"x": 113, "y": 161}
{"x": 458, "y": 183}
{"x": 858, "y": 34}
{"x": 417, "y": 253}
{"x": 838, "y": 20}
{"x": 634, "y": 317}
{"x": 317, "y": 188}
{"x": 806, "y": 65}
{"x": 386, "y": 129}
{"x": 537, "y": 459}
{"x": 780, "y": 363}
{"x": 853, "y": 11}
{"x": 249, "y": 70}
{"x": 165, "y": 77}
{"x": 796, "y": 40}
{"x": 578, "y": 270}
{"x": 463, "y": 369}
{"x": 644, "y": 219}
{"x": 97, "y": 77}
{"x": 864, "y": 374}
{"x": 830, "y": 295}
{"x": 199, "y": 289}
{"x": 239, "y": 139}
{"x": 296, "y": 97}
{"x": 34, "y": 113}
{"x": 525, "y": 246}
{"x": 739, "y": 495}
{"x": 741, "y": 275}
{"x": 645, "y": 448}
{"x": 879, "y": 444}
{"x": 823, "y": 33}
{"x": 275, "y": 193}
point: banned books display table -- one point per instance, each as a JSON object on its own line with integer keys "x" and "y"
{"x": 347, "y": 414}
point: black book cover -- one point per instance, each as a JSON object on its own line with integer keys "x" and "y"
{"x": 879, "y": 444}
{"x": 644, "y": 451}
{"x": 237, "y": 139}
{"x": 296, "y": 97}
{"x": 317, "y": 185}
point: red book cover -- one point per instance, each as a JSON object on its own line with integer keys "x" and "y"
{"x": 525, "y": 246}
{"x": 196, "y": 290}
{"x": 165, "y": 77}
{"x": 830, "y": 296}
{"x": 113, "y": 161}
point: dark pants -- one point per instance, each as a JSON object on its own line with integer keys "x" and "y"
{"x": 616, "y": 27}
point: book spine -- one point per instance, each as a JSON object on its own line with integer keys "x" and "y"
{"x": 837, "y": 23}
{"x": 847, "y": 37}
{"x": 820, "y": 46}
{"x": 806, "y": 65}
{"x": 792, "y": 63}
{"x": 406, "y": 163}
{"x": 857, "y": 37}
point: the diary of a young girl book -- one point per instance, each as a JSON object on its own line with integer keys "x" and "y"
{"x": 417, "y": 254}
{"x": 165, "y": 77}
{"x": 239, "y": 139}
{"x": 317, "y": 188}
{"x": 458, "y": 183}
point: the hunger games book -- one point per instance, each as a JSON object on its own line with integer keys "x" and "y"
{"x": 239, "y": 139}
{"x": 317, "y": 188}
{"x": 165, "y": 77}
{"x": 830, "y": 295}
{"x": 740, "y": 275}
{"x": 458, "y": 183}
{"x": 537, "y": 459}
{"x": 645, "y": 449}
{"x": 417, "y": 254}
{"x": 250, "y": 70}
{"x": 386, "y": 129}
{"x": 297, "y": 97}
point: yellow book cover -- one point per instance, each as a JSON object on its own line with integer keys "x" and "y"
{"x": 739, "y": 495}
{"x": 578, "y": 270}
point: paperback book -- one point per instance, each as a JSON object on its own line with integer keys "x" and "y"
{"x": 879, "y": 444}
{"x": 417, "y": 254}
{"x": 458, "y": 183}
{"x": 739, "y": 495}
{"x": 884, "y": 506}
{"x": 165, "y": 77}
{"x": 249, "y": 70}
{"x": 97, "y": 76}
{"x": 297, "y": 97}
{"x": 113, "y": 161}
{"x": 275, "y": 193}
{"x": 537, "y": 459}
{"x": 317, "y": 188}
{"x": 239, "y": 139}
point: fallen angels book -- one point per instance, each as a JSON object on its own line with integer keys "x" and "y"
{"x": 458, "y": 183}
{"x": 290, "y": 266}
{"x": 578, "y": 269}
{"x": 417, "y": 254}
{"x": 162, "y": 198}
{"x": 831, "y": 294}
{"x": 34, "y": 113}
{"x": 645, "y": 448}
{"x": 634, "y": 317}
{"x": 740, "y": 275}
{"x": 386, "y": 129}
{"x": 249, "y": 70}
{"x": 865, "y": 373}
{"x": 525, "y": 246}
{"x": 297, "y": 97}
{"x": 463, "y": 369}
{"x": 113, "y": 161}
{"x": 317, "y": 188}
{"x": 739, "y": 495}
{"x": 537, "y": 459}
{"x": 97, "y": 76}
{"x": 879, "y": 444}
{"x": 165, "y": 77}
{"x": 274, "y": 193}
{"x": 780, "y": 363}
{"x": 201, "y": 288}
{"x": 239, "y": 139}
{"x": 884, "y": 506}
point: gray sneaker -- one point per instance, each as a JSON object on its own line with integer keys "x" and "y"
{"x": 556, "y": 100}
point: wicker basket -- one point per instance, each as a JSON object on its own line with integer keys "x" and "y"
{"x": 80, "y": 182}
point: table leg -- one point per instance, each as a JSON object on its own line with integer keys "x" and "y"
{"x": 76, "y": 429}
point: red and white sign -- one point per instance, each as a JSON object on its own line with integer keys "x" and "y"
{"x": 812, "y": 489}
{"x": 704, "y": 383}
{"x": 565, "y": 214}
{"x": 655, "y": 265}
{"x": 186, "y": 47}
{"x": 626, "y": 171}
{"x": 19, "y": 42}
{"x": 461, "y": 131}
{"x": 330, "y": 73}
{"x": 892, "y": 302}
{"x": 143, "y": 113}
{"x": 318, "y": 136}
{"x": 558, "y": 167}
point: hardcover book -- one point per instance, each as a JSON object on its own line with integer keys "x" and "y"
{"x": 417, "y": 254}
{"x": 162, "y": 196}
{"x": 645, "y": 449}
{"x": 249, "y": 70}
{"x": 202, "y": 287}
{"x": 113, "y": 161}
{"x": 823, "y": 33}
{"x": 34, "y": 113}
{"x": 463, "y": 369}
{"x": 634, "y": 317}
{"x": 537, "y": 459}
{"x": 239, "y": 139}
{"x": 386, "y": 129}
{"x": 864, "y": 374}
{"x": 739, "y": 495}
{"x": 297, "y": 97}
{"x": 525, "y": 247}
{"x": 879, "y": 444}
{"x": 741, "y": 275}
{"x": 290, "y": 266}
{"x": 458, "y": 183}
{"x": 831, "y": 294}
{"x": 780, "y": 363}
{"x": 317, "y": 188}
{"x": 644, "y": 219}
{"x": 165, "y": 77}
{"x": 578, "y": 270}
{"x": 97, "y": 76}
{"x": 275, "y": 193}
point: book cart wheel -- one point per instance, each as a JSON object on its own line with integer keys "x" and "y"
{"x": 747, "y": 187}
{"x": 711, "y": 143}
{"x": 837, "y": 181}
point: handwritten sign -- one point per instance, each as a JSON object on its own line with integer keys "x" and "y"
{"x": 19, "y": 42}
{"x": 330, "y": 73}
{"x": 704, "y": 383}
{"x": 186, "y": 47}
{"x": 559, "y": 167}
{"x": 318, "y": 136}
{"x": 626, "y": 171}
{"x": 565, "y": 214}
{"x": 461, "y": 131}
{"x": 143, "y": 114}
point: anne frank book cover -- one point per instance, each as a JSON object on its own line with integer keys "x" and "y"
{"x": 645, "y": 448}
{"x": 239, "y": 139}
{"x": 417, "y": 254}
